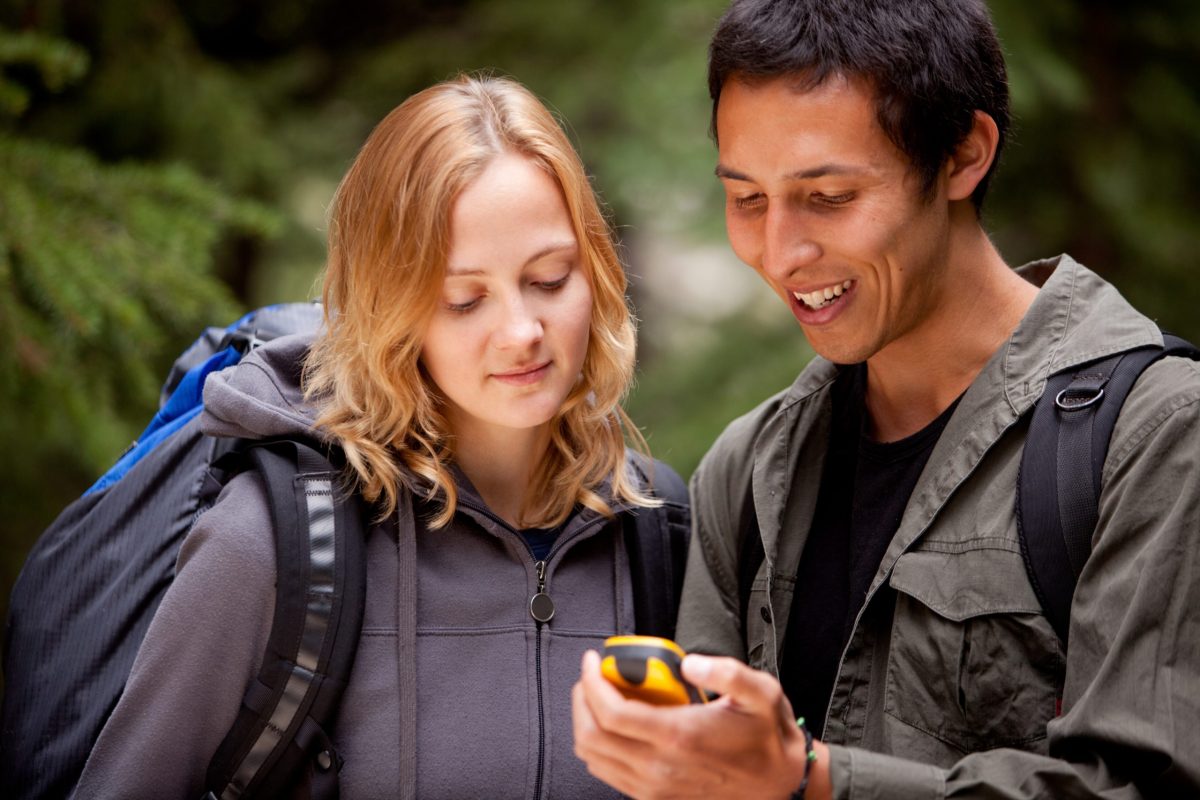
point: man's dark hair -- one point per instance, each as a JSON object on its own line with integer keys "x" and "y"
{"x": 931, "y": 64}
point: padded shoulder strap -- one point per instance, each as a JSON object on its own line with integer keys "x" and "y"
{"x": 1059, "y": 481}
{"x": 280, "y": 735}
{"x": 656, "y": 540}
{"x": 751, "y": 554}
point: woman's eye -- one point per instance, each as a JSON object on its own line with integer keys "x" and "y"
{"x": 463, "y": 307}
{"x": 557, "y": 283}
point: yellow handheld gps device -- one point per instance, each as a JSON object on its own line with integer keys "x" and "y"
{"x": 646, "y": 668}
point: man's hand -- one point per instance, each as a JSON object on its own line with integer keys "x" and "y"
{"x": 746, "y": 744}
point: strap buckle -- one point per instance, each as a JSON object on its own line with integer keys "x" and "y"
{"x": 1072, "y": 400}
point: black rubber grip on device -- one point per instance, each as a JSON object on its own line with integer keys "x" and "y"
{"x": 632, "y": 660}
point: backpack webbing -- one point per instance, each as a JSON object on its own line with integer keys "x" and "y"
{"x": 280, "y": 735}
{"x": 656, "y": 541}
{"x": 1058, "y": 491}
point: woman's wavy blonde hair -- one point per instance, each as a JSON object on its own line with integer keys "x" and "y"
{"x": 388, "y": 246}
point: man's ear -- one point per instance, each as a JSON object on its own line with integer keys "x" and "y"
{"x": 972, "y": 158}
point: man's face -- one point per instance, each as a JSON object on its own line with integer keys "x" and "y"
{"x": 829, "y": 212}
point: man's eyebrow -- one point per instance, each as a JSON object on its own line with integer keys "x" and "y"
{"x": 550, "y": 249}
{"x": 723, "y": 171}
{"x": 821, "y": 171}
{"x": 824, "y": 170}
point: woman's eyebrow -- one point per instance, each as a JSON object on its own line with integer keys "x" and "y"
{"x": 550, "y": 249}
{"x": 554, "y": 247}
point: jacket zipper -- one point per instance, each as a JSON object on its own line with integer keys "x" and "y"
{"x": 541, "y": 761}
{"x": 541, "y": 608}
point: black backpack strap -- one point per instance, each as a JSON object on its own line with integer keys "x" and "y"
{"x": 280, "y": 738}
{"x": 656, "y": 541}
{"x": 1057, "y": 496}
{"x": 750, "y": 556}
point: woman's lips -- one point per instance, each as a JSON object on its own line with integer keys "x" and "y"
{"x": 523, "y": 376}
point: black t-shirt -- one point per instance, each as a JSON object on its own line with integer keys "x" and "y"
{"x": 865, "y": 487}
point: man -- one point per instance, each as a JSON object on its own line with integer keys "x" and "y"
{"x": 855, "y": 540}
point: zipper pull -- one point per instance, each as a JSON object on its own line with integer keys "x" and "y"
{"x": 541, "y": 607}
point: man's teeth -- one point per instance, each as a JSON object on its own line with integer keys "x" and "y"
{"x": 822, "y": 297}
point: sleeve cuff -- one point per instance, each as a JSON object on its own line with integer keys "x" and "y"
{"x": 857, "y": 774}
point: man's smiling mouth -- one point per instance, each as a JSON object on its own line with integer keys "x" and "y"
{"x": 822, "y": 297}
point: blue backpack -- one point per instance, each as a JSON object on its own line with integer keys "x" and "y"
{"x": 92, "y": 582}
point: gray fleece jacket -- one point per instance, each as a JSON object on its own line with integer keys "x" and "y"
{"x": 455, "y": 692}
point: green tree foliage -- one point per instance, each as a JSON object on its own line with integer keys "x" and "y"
{"x": 105, "y": 271}
{"x": 1105, "y": 163}
{"x": 88, "y": 315}
{"x": 57, "y": 62}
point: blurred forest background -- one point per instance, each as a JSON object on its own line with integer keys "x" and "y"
{"x": 166, "y": 164}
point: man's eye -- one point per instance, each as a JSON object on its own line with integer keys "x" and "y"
{"x": 750, "y": 201}
{"x": 833, "y": 199}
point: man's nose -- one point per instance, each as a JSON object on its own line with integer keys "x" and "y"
{"x": 788, "y": 243}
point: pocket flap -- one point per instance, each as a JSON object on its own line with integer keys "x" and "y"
{"x": 968, "y": 583}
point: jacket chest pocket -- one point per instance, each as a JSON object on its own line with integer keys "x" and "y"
{"x": 972, "y": 662}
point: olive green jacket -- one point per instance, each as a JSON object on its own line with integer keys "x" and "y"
{"x": 952, "y": 679}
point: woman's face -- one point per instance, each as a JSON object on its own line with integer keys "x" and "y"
{"x": 508, "y": 339}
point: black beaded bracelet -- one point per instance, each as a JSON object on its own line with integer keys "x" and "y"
{"x": 810, "y": 755}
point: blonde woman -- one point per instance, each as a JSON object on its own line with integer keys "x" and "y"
{"x": 476, "y": 348}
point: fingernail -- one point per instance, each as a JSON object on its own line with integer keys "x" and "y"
{"x": 698, "y": 666}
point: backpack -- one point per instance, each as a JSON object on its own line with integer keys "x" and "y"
{"x": 92, "y": 582}
{"x": 1058, "y": 484}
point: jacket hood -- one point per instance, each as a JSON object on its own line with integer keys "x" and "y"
{"x": 260, "y": 397}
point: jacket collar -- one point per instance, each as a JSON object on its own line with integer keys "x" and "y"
{"x": 1077, "y": 317}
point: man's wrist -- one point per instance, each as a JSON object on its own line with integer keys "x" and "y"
{"x": 816, "y": 786}
{"x": 809, "y": 757}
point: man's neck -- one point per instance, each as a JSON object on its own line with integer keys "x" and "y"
{"x": 916, "y": 377}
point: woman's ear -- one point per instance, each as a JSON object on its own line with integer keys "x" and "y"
{"x": 972, "y": 158}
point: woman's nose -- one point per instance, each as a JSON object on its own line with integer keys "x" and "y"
{"x": 520, "y": 326}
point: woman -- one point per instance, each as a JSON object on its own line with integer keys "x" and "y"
{"x": 476, "y": 347}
